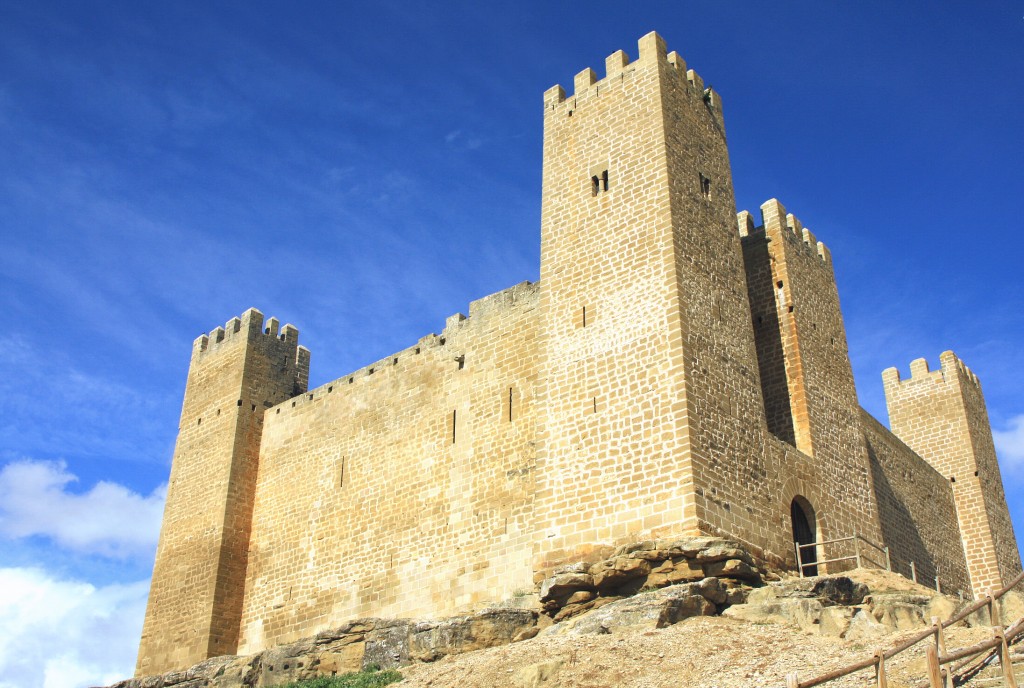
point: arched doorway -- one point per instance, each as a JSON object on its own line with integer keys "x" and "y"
{"x": 804, "y": 533}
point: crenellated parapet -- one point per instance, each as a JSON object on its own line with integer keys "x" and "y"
{"x": 248, "y": 327}
{"x": 776, "y": 221}
{"x": 618, "y": 66}
{"x": 952, "y": 370}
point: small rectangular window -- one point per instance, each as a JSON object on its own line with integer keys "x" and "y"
{"x": 598, "y": 182}
{"x": 705, "y": 187}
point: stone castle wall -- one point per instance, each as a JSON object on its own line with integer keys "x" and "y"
{"x": 916, "y": 511}
{"x": 404, "y": 489}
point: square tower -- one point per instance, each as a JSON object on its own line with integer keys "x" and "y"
{"x": 941, "y": 415}
{"x": 648, "y": 370}
{"x": 195, "y": 598}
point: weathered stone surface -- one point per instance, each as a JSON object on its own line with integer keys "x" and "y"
{"x": 900, "y": 611}
{"x": 864, "y": 627}
{"x": 838, "y": 606}
{"x": 564, "y": 585}
{"x": 711, "y": 589}
{"x": 655, "y": 609}
{"x": 732, "y": 568}
{"x": 430, "y": 641}
{"x": 542, "y": 674}
{"x": 580, "y": 597}
{"x": 835, "y": 621}
{"x": 828, "y": 590}
{"x": 805, "y": 613}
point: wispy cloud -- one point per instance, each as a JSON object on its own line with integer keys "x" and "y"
{"x": 1010, "y": 445}
{"x": 461, "y": 140}
{"x": 57, "y": 633}
{"x": 108, "y": 520}
{"x": 99, "y": 417}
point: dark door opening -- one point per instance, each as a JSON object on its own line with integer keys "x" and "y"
{"x": 803, "y": 534}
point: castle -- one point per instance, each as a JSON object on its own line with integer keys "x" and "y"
{"x": 669, "y": 374}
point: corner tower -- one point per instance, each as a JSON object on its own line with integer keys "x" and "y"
{"x": 195, "y": 598}
{"x": 649, "y": 373}
{"x": 806, "y": 379}
{"x": 941, "y": 415}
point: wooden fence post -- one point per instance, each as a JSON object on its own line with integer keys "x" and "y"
{"x": 792, "y": 681}
{"x": 913, "y": 572}
{"x": 940, "y": 638}
{"x": 992, "y": 621}
{"x": 856, "y": 548}
{"x": 1005, "y": 661}
{"x": 934, "y": 669}
{"x": 880, "y": 679}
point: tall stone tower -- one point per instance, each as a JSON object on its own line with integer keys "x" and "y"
{"x": 649, "y": 373}
{"x": 941, "y": 415}
{"x": 195, "y": 598}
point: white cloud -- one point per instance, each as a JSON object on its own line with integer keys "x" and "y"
{"x": 108, "y": 520}
{"x": 64, "y": 633}
{"x": 1010, "y": 444}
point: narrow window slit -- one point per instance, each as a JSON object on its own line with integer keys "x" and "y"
{"x": 509, "y": 404}
{"x": 705, "y": 187}
{"x": 454, "y": 416}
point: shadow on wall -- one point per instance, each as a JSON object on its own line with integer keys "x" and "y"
{"x": 899, "y": 531}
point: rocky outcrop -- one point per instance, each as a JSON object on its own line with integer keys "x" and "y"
{"x": 582, "y": 587}
{"x": 354, "y": 646}
{"x": 648, "y": 610}
{"x": 841, "y": 607}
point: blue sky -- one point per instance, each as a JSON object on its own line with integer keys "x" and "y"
{"x": 364, "y": 170}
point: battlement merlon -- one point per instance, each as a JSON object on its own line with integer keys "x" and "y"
{"x": 653, "y": 51}
{"x": 951, "y": 368}
{"x": 250, "y": 326}
{"x": 774, "y": 220}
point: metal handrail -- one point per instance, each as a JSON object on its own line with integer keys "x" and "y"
{"x": 857, "y": 556}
